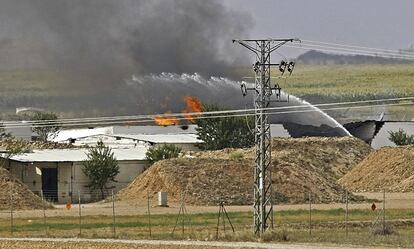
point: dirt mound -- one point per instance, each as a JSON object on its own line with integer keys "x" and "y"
{"x": 300, "y": 166}
{"x": 387, "y": 168}
{"x": 22, "y": 197}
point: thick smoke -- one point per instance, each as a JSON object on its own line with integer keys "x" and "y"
{"x": 118, "y": 38}
{"x": 305, "y": 119}
{"x": 128, "y": 56}
{"x": 94, "y": 46}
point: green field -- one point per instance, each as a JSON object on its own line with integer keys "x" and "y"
{"x": 343, "y": 83}
{"x": 316, "y": 84}
{"x": 350, "y": 82}
{"x": 290, "y": 226}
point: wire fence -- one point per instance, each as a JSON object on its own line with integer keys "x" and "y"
{"x": 113, "y": 221}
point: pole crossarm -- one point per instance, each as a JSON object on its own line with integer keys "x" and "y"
{"x": 263, "y": 90}
{"x": 280, "y": 42}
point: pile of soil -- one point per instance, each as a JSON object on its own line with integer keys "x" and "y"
{"x": 387, "y": 168}
{"x": 22, "y": 197}
{"x": 300, "y": 166}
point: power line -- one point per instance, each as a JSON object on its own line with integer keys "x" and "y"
{"x": 361, "y": 51}
{"x": 233, "y": 115}
{"x": 351, "y": 51}
{"x": 356, "y": 49}
{"x": 86, "y": 121}
{"x": 360, "y": 47}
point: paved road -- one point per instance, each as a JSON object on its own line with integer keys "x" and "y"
{"x": 200, "y": 244}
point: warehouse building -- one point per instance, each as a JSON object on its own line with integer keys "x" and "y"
{"x": 58, "y": 173}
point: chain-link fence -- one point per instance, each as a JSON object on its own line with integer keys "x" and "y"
{"x": 110, "y": 218}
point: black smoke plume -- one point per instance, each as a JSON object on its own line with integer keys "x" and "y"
{"x": 95, "y": 46}
{"x": 121, "y": 37}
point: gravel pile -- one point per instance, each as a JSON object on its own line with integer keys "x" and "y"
{"x": 13, "y": 189}
{"x": 388, "y": 168}
{"x": 300, "y": 166}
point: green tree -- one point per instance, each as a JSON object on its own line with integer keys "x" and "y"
{"x": 100, "y": 167}
{"x": 3, "y": 133}
{"x": 226, "y": 132}
{"x": 47, "y": 129}
{"x": 13, "y": 147}
{"x": 161, "y": 152}
{"x": 400, "y": 137}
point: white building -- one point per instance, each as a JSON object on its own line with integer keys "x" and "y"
{"x": 73, "y": 134}
{"x": 58, "y": 173}
{"x": 185, "y": 141}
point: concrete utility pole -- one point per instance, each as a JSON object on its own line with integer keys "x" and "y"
{"x": 263, "y": 203}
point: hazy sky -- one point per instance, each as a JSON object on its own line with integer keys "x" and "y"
{"x": 373, "y": 23}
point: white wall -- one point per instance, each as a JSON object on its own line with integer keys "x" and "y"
{"x": 72, "y": 179}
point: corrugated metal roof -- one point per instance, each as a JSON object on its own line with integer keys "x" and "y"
{"x": 154, "y": 129}
{"x": 163, "y": 138}
{"x": 64, "y": 135}
{"x": 78, "y": 155}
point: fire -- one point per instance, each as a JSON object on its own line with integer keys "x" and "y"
{"x": 192, "y": 104}
{"x": 166, "y": 120}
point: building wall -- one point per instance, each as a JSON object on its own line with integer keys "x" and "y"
{"x": 128, "y": 170}
{"x": 72, "y": 181}
{"x": 381, "y": 139}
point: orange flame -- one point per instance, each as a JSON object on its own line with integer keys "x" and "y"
{"x": 166, "y": 120}
{"x": 192, "y": 104}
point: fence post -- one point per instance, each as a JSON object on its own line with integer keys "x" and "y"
{"x": 310, "y": 213}
{"x": 346, "y": 212}
{"x": 113, "y": 215}
{"x": 11, "y": 210}
{"x": 383, "y": 212}
{"x": 44, "y": 212}
{"x": 80, "y": 213}
{"x": 218, "y": 222}
{"x": 149, "y": 213}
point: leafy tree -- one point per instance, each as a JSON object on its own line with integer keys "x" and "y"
{"x": 226, "y": 132}
{"x": 2, "y": 132}
{"x": 161, "y": 152}
{"x": 101, "y": 167}
{"x": 13, "y": 147}
{"x": 400, "y": 137}
{"x": 50, "y": 128}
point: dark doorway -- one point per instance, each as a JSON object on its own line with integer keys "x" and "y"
{"x": 50, "y": 184}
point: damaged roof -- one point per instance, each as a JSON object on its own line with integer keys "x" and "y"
{"x": 78, "y": 155}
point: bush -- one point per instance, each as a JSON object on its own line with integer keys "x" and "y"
{"x": 161, "y": 152}
{"x": 279, "y": 235}
{"x": 48, "y": 127}
{"x": 400, "y": 137}
{"x": 224, "y": 132}
{"x": 236, "y": 155}
{"x": 101, "y": 167}
{"x": 382, "y": 229}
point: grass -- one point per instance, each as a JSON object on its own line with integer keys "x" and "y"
{"x": 343, "y": 83}
{"x": 291, "y": 225}
{"x": 316, "y": 84}
{"x": 236, "y": 155}
{"x": 350, "y": 82}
